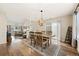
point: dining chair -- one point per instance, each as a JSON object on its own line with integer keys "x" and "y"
{"x": 41, "y": 41}
{"x": 32, "y": 37}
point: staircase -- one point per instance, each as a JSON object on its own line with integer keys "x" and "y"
{"x": 68, "y": 38}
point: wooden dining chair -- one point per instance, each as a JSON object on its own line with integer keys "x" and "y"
{"x": 46, "y": 40}
{"x": 41, "y": 41}
{"x": 38, "y": 33}
{"x": 32, "y": 37}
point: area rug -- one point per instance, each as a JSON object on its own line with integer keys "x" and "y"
{"x": 52, "y": 50}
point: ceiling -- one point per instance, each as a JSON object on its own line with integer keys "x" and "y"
{"x": 19, "y": 12}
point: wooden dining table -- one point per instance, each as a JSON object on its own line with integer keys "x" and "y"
{"x": 49, "y": 36}
{"x": 46, "y": 36}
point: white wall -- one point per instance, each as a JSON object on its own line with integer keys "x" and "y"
{"x": 64, "y": 21}
{"x": 2, "y": 29}
{"x": 78, "y": 26}
{"x": 77, "y": 31}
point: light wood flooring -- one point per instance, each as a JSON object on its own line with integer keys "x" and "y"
{"x": 18, "y": 47}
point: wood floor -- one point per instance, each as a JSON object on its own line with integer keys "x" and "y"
{"x": 18, "y": 47}
{"x": 67, "y": 50}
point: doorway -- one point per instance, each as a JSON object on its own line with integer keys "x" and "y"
{"x": 55, "y": 32}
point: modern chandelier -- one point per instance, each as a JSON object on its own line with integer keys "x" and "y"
{"x": 41, "y": 21}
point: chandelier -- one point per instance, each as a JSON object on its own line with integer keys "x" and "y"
{"x": 41, "y": 21}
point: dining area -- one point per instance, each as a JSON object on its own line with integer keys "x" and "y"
{"x": 40, "y": 39}
{"x": 43, "y": 42}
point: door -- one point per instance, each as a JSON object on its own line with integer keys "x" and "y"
{"x": 56, "y": 33}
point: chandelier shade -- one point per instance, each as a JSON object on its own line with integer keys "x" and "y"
{"x": 41, "y": 21}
